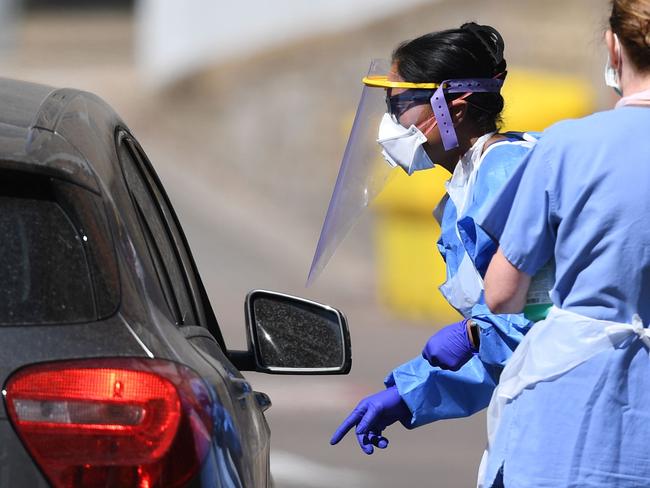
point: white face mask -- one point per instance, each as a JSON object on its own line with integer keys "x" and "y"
{"x": 403, "y": 147}
{"x": 612, "y": 75}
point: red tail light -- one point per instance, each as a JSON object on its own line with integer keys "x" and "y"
{"x": 112, "y": 422}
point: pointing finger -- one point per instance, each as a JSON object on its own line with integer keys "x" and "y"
{"x": 348, "y": 423}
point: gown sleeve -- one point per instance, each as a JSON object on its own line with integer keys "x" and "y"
{"x": 434, "y": 394}
{"x": 499, "y": 334}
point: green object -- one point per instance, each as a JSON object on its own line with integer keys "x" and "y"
{"x": 537, "y": 312}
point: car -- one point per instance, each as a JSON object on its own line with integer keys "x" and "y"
{"x": 114, "y": 369}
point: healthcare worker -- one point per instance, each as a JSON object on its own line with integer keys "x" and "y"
{"x": 437, "y": 101}
{"x": 573, "y": 404}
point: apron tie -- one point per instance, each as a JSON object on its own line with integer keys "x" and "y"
{"x": 636, "y": 327}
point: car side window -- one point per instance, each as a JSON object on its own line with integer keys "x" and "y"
{"x": 158, "y": 235}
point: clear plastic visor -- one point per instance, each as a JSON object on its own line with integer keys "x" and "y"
{"x": 362, "y": 175}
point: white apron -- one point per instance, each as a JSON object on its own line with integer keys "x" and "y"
{"x": 573, "y": 340}
{"x": 463, "y": 289}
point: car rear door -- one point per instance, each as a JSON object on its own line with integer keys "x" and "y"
{"x": 189, "y": 309}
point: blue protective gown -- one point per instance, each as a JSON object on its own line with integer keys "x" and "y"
{"x": 582, "y": 196}
{"x": 432, "y": 393}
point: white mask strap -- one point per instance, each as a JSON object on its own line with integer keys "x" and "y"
{"x": 613, "y": 75}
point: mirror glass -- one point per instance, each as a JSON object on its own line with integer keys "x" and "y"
{"x": 292, "y": 333}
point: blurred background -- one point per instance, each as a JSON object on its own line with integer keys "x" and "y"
{"x": 244, "y": 108}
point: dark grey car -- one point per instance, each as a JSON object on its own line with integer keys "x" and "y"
{"x": 114, "y": 369}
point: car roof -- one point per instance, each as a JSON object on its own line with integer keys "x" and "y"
{"x": 19, "y": 102}
{"x": 64, "y": 132}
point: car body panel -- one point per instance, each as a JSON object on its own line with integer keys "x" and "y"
{"x": 74, "y": 136}
{"x": 16, "y": 466}
{"x": 21, "y": 102}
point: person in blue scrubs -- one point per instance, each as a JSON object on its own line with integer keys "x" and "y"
{"x": 573, "y": 404}
{"x": 458, "y": 369}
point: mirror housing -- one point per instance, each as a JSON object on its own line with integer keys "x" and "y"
{"x": 291, "y": 335}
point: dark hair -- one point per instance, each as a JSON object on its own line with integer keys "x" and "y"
{"x": 630, "y": 21}
{"x": 473, "y": 51}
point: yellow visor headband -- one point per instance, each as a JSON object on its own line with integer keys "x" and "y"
{"x": 381, "y": 81}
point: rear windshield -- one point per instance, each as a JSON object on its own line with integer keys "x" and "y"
{"x": 57, "y": 262}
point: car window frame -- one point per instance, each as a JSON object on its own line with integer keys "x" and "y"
{"x": 193, "y": 283}
{"x": 163, "y": 249}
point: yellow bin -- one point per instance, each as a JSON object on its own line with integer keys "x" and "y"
{"x": 410, "y": 268}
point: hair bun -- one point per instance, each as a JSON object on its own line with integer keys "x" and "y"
{"x": 490, "y": 38}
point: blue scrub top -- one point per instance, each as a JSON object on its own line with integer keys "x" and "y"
{"x": 582, "y": 196}
{"x": 433, "y": 393}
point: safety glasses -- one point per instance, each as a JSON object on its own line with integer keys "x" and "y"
{"x": 415, "y": 94}
{"x": 396, "y": 105}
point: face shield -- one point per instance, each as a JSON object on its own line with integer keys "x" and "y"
{"x": 397, "y": 115}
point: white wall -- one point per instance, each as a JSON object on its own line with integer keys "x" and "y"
{"x": 174, "y": 37}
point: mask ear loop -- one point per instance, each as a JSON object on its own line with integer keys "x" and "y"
{"x": 431, "y": 123}
{"x": 426, "y": 129}
{"x": 613, "y": 75}
{"x": 428, "y": 125}
{"x": 619, "y": 55}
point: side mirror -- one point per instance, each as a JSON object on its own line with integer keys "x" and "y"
{"x": 291, "y": 335}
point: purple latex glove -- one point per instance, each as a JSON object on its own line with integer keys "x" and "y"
{"x": 371, "y": 416}
{"x": 450, "y": 347}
